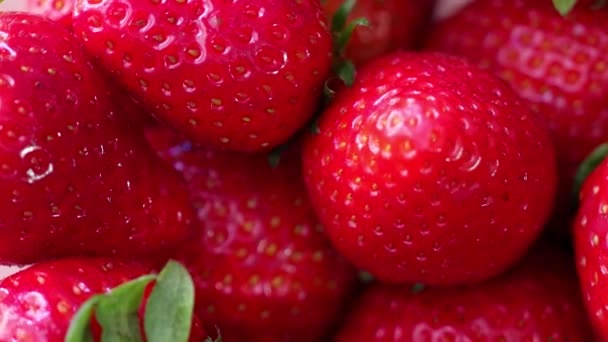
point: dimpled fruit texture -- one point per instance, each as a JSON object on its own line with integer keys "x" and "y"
{"x": 56, "y": 10}
{"x": 559, "y": 65}
{"x": 235, "y": 75}
{"x": 38, "y": 303}
{"x": 430, "y": 170}
{"x": 538, "y": 301}
{"x": 590, "y": 235}
{"x": 75, "y": 178}
{"x": 392, "y": 25}
{"x": 264, "y": 270}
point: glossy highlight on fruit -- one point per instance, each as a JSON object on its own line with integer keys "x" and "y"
{"x": 536, "y": 301}
{"x": 430, "y": 170}
{"x": 263, "y": 269}
{"x": 76, "y": 178}
{"x": 558, "y": 64}
{"x": 233, "y": 75}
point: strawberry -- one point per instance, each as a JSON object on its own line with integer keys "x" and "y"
{"x": 78, "y": 179}
{"x": 48, "y": 301}
{"x": 264, "y": 271}
{"x": 590, "y": 231}
{"x": 558, "y": 64}
{"x": 230, "y": 75}
{"x": 392, "y": 25}
{"x": 537, "y": 301}
{"x": 430, "y": 170}
{"x": 56, "y": 10}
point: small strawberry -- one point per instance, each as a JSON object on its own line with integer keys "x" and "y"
{"x": 430, "y": 170}
{"x": 392, "y": 25}
{"x": 54, "y": 301}
{"x": 590, "y": 232}
{"x": 56, "y": 10}
{"x": 264, "y": 271}
{"x": 537, "y": 301}
{"x": 558, "y": 64}
{"x": 235, "y": 75}
{"x": 77, "y": 178}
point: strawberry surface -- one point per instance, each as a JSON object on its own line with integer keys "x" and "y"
{"x": 56, "y": 10}
{"x": 392, "y": 25}
{"x": 590, "y": 231}
{"x": 38, "y": 304}
{"x": 77, "y": 178}
{"x": 430, "y": 170}
{"x": 263, "y": 269}
{"x": 558, "y": 64}
{"x": 231, "y": 75}
{"x": 537, "y": 301}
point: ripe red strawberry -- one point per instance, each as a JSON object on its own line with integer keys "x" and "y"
{"x": 559, "y": 65}
{"x": 430, "y": 170}
{"x": 590, "y": 232}
{"x": 76, "y": 178}
{"x": 232, "y": 75}
{"x": 40, "y": 302}
{"x": 538, "y": 301}
{"x": 264, "y": 271}
{"x": 56, "y": 10}
{"x": 392, "y": 25}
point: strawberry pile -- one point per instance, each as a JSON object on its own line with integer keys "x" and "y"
{"x": 304, "y": 170}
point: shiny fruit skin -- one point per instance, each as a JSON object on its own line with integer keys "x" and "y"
{"x": 77, "y": 177}
{"x": 430, "y": 170}
{"x": 558, "y": 64}
{"x": 233, "y": 75}
{"x": 539, "y": 300}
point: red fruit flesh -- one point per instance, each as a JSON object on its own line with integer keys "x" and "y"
{"x": 430, "y": 170}
{"x": 76, "y": 178}
{"x": 231, "y": 75}
{"x": 590, "y": 232}
{"x": 263, "y": 269}
{"x": 38, "y": 303}
{"x": 559, "y": 65}
{"x": 392, "y": 25}
{"x": 538, "y": 301}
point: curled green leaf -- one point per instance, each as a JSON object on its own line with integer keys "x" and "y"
{"x": 170, "y": 307}
{"x": 564, "y": 6}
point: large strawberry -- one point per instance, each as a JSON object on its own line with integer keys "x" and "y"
{"x": 76, "y": 178}
{"x": 392, "y": 25}
{"x": 264, "y": 271}
{"x": 590, "y": 235}
{"x": 235, "y": 75}
{"x": 57, "y": 10}
{"x": 54, "y": 301}
{"x": 538, "y": 301}
{"x": 430, "y": 170}
{"x": 558, "y": 64}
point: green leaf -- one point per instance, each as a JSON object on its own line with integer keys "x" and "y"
{"x": 343, "y": 37}
{"x": 80, "y": 327}
{"x": 366, "y": 277}
{"x": 417, "y": 288}
{"x": 170, "y": 306}
{"x": 117, "y": 311}
{"x": 594, "y": 159}
{"x": 564, "y": 6}
{"x": 338, "y": 22}
{"x": 346, "y": 72}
